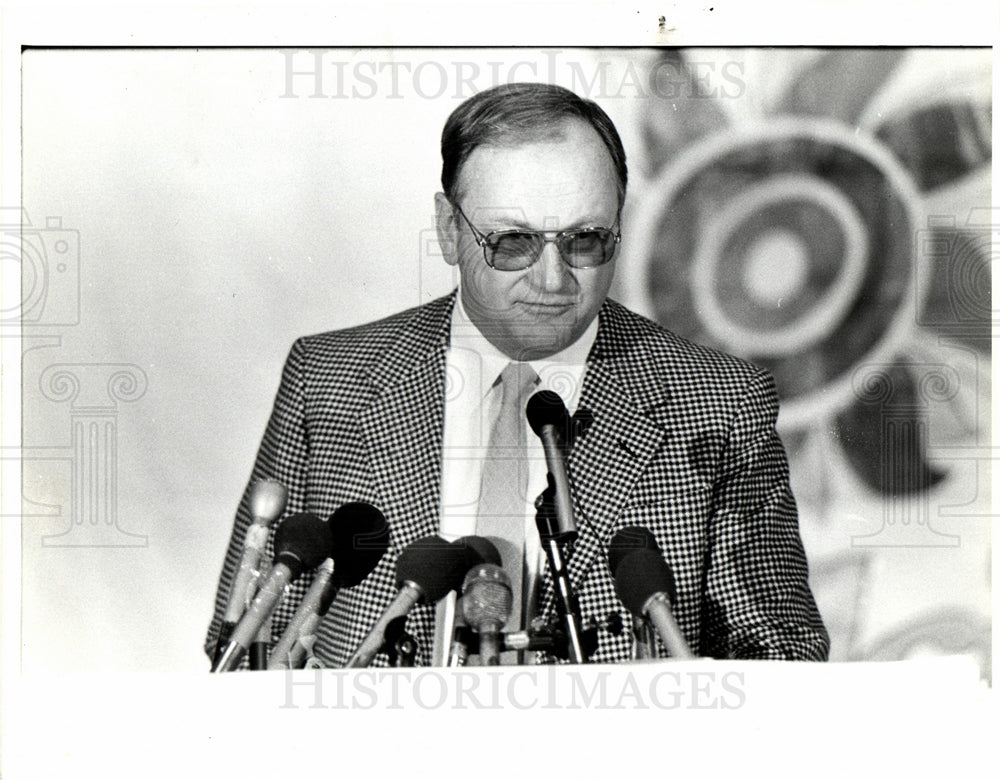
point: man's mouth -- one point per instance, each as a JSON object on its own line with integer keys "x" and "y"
{"x": 553, "y": 305}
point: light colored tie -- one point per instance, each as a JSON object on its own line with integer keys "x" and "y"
{"x": 502, "y": 498}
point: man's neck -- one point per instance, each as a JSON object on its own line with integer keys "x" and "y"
{"x": 467, "y": 333}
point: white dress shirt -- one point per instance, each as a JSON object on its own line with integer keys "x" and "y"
{"x": 470, "y": 407}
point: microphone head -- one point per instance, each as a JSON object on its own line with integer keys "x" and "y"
{"x": 360, "y": 538}
{"x": 628, "y": 540}
{"x": 268, "y": 499}
{"x": 639, "y": 569}
{"x": 476, "y": 550}
{"x": 434, "y": 565}
{"x": 487, "y": 598}
{"x": 547, "y": 408}
{"x": 302, "y": 541}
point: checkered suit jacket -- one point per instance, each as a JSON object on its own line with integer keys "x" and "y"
{"x": 682, "y": 442}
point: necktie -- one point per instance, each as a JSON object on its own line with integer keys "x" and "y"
{"x": 502, "y": 497}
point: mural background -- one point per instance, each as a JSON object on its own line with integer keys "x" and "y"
{"x": 825, "y": 213}
{"x": 836, "y": 228}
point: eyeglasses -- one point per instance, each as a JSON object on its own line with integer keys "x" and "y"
{"x": 515, "y": 250}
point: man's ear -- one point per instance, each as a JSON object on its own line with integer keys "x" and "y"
{"x": 446, "y": 221}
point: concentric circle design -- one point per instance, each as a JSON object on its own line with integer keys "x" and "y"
{"x": 762, "y": 283}
{"x": 791, "y": 245}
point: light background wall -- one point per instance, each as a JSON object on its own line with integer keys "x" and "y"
{"x": 209, "y": 209}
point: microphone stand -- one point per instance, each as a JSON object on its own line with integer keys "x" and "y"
{"x": 557, "y": 544}
{"x": 399, "y": 645}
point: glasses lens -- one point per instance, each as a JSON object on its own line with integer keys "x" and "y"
{"x": 514, "y": 251}
{"x": 587, "y": 248}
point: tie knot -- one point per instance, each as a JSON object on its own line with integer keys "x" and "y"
{"x": 516, "y": 381}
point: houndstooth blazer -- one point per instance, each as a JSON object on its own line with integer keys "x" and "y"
{"x": 682, "y": 442}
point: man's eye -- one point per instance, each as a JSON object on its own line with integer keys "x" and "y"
{"x": 585, "y": 240}
{"x": 516, "y": 243}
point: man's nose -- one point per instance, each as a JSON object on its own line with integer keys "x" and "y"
{"x": 554, "y": 274}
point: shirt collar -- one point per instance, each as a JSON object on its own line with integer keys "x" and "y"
{"x": 561, "y": 372}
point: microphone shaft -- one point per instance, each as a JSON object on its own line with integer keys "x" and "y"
{"x": 243, "y": 585}
{"x": 455, "y": 630}
{"x": 258, "y": 650}
{"x": 459, "y": 653}
{"x": 222, "y": 641}
{"x": 262, "y": 639}
{"x": 300, "y": 651}
{"x": 308, "y": 608}
{"x": 260, "y": 609}
{"x": 240, "y": 594}
{"x": 489, "y": 647}
{"x": 642, "y": 634}
{"x": 557, "y": 468}
{"x": 405, "y": 600}
{"x": 657, "y": 609}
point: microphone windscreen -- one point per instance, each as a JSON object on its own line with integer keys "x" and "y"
{"x": 268, "y": 499}
{"x": 360, "y": 538}
{"x": 486, "y": 597}
{"x": 627, "y": 541}
{"x": 436, "y": 566}
{"x": 547, "y": 408}
{"x": 302, "y": 542}
{"x": 476, "y": 550}
{"x": 641, "y": 575}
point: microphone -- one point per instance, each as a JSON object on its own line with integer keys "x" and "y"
{"x": 455, "y": 632}
{"x": 645, "y": 584}
{"x": 290, "y": 652}
{"x": 425, "y": 572}
{"x": 550, "y": 421}
{"x": 266, "y": 502}
{"x": 360, "y": 538}
{"x": 301, "y": 542}
{"x": 476, "y": 550}
{"x": 556, "y": 546}
{"x": 487, "y": 601}
{"x": 458, "y": 652}
{"x": 262, "y": 641}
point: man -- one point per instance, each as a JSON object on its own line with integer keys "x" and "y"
{"x": 419, "y": 413}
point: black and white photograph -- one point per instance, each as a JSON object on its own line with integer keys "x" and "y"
{"x": 641, "y": 385}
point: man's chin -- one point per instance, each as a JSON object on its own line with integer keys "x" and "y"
{"x": 535, "y": 345}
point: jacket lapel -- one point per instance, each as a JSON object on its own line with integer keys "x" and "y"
{"x": 622, "y": 390}
{"x": 403, "y": 426}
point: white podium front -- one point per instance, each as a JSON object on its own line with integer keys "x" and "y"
{"x": 917, "y": 718}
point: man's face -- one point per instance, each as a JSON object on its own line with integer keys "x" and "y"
{"x": 556, "y": 184}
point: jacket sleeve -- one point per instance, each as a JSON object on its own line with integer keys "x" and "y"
{"x": 282, "y": 456}
{"x": 758, "y": 602}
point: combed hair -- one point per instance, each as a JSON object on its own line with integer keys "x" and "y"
{"x": 510, "y": 114}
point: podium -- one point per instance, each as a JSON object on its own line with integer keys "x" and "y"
{"x": 710, "y": 718}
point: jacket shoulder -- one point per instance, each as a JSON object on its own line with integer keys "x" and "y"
{"x": 671, "y": 352}
{"x": 374, "y": 338}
